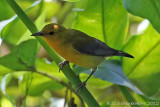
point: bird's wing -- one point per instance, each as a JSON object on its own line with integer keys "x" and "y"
{"x": 91, "y": 46}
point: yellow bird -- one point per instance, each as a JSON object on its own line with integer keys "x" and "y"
{"x": 77, "y": 47}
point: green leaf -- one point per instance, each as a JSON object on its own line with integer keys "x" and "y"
{"x": 13, "y": 27}
{"x": 40, "y": 21}
{"x": 98, "y": 20}
{"x": 22, "y": 58}
{"x": 144, "y": 69}
{"x": 149, "y": 9}
{"x": 144, "y": 49}
{"x": 111, "y": 71}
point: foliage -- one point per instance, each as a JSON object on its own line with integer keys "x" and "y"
{"x": 28, "y": 76}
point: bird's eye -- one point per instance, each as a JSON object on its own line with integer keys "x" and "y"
{"x": 51, "y": 33}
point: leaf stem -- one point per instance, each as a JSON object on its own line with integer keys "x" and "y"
{"x": 68, "y": 72}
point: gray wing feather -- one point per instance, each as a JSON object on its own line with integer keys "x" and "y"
{"x": 93, "y": 46}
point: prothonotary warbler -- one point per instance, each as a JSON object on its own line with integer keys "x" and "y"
{"x": 77, "y": 47}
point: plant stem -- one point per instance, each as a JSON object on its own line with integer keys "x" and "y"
{"x": 68, "y": 72}
{"x": 60, "y": 82}
{"x": 64, "y": 12}
{"x": 128, "y": 95}
{"x": 54, "y": 78}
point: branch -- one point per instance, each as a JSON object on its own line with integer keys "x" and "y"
{"x": 60, "y": 82}
{"x": 68, "y": 72}
{"x": 55, "y": 79}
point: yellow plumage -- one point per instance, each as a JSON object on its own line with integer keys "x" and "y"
{"x": 76, "y": 46}
{"x": 67, "y": 51}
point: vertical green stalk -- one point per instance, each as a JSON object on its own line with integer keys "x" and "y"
{"x": 68, "y": 72}
{"x": 64, "y": 12}
{"x": 128, "y": 95}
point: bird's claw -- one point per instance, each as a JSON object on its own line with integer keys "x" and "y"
{"x": 62, "y": 64}
{"x": 80, "y": 86}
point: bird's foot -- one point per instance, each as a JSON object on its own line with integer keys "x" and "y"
{"x": 80, "y": 86}
{"x": 83, "y": 84}
{"x": 62, "y": 64}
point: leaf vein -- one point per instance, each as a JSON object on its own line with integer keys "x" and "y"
{"x": 142, "y": 58}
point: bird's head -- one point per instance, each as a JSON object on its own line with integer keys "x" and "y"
{"x": 50, "y": 30}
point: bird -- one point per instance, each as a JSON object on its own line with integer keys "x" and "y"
{"x": 77, "y": 47}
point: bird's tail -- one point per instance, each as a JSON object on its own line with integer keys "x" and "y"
{"x": 121, "y": 53}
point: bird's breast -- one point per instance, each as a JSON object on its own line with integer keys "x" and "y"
{"x": 67, "y": 51}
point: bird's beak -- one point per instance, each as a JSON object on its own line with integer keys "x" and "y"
{"x": 38, "y": 34}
